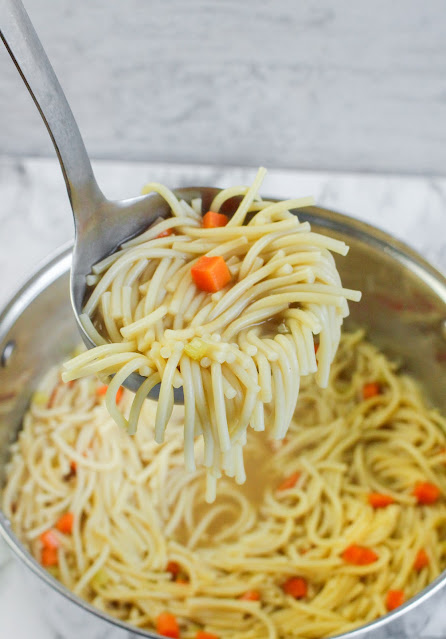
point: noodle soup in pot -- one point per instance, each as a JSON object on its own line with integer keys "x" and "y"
{"x": 306, "y": 533}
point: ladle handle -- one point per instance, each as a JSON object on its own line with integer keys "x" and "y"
{"x": 27, "y": 52}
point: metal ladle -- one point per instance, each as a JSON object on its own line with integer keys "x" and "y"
{"x": 101, "y": 225}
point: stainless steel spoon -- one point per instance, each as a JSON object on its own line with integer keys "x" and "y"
{"x": 101, "y": 225}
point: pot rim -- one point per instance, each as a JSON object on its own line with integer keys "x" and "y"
{"x": 58, "y": 263}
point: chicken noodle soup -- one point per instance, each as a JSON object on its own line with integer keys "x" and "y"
{"x": 338, "y": 523}
{"x": 226, "y": 308}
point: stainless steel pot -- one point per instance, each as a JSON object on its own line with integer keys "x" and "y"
{"x": 403, "y": 310}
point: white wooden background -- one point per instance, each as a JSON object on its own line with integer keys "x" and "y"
{"x": 317, "y": 84}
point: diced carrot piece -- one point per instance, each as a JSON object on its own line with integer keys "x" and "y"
{"x": 421, "y": 560}
{"x": 167, "y": 625}
{"x": 49, "y": 557}
{"x": 212, "y": 220}
{"x": 296, "y": 587}
{"x": 250, "y": 595}
{"x": 426, "y": 493}
{"x": 316, "y": 347}
{"x": 202, "y": 634}
{"x": 73, "y": 466}
{"x": 359, "y": 555}
{"x": 211, "y": 274}
{"x": 370, "y": 390}
{"x": 289, "y": 482}
{"x": 65, "y": 523}
{"x": 182, "y": 581}
{"x": 173, "y": 567}
{"x": 101, "y": 390}
{"x": 394, "y": 599}
{"x": 49, "y": 539}
{"x": 379, "y": 500}
{"x": 165, "y": 233}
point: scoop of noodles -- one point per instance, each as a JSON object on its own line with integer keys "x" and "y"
{"x": 227, "y": 308}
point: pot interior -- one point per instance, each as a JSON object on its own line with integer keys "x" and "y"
{"x": 403, "y": 310}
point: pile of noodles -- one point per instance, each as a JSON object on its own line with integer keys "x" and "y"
{"x": 135, "y": 509}
{"x": 238, "y": 353}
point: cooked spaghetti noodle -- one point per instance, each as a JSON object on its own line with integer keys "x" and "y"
{"x": 238, "y": 352}
{"x": 301, "y": 550}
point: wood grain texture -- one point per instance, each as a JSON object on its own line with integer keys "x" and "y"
{"x": 296, "y": 84}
